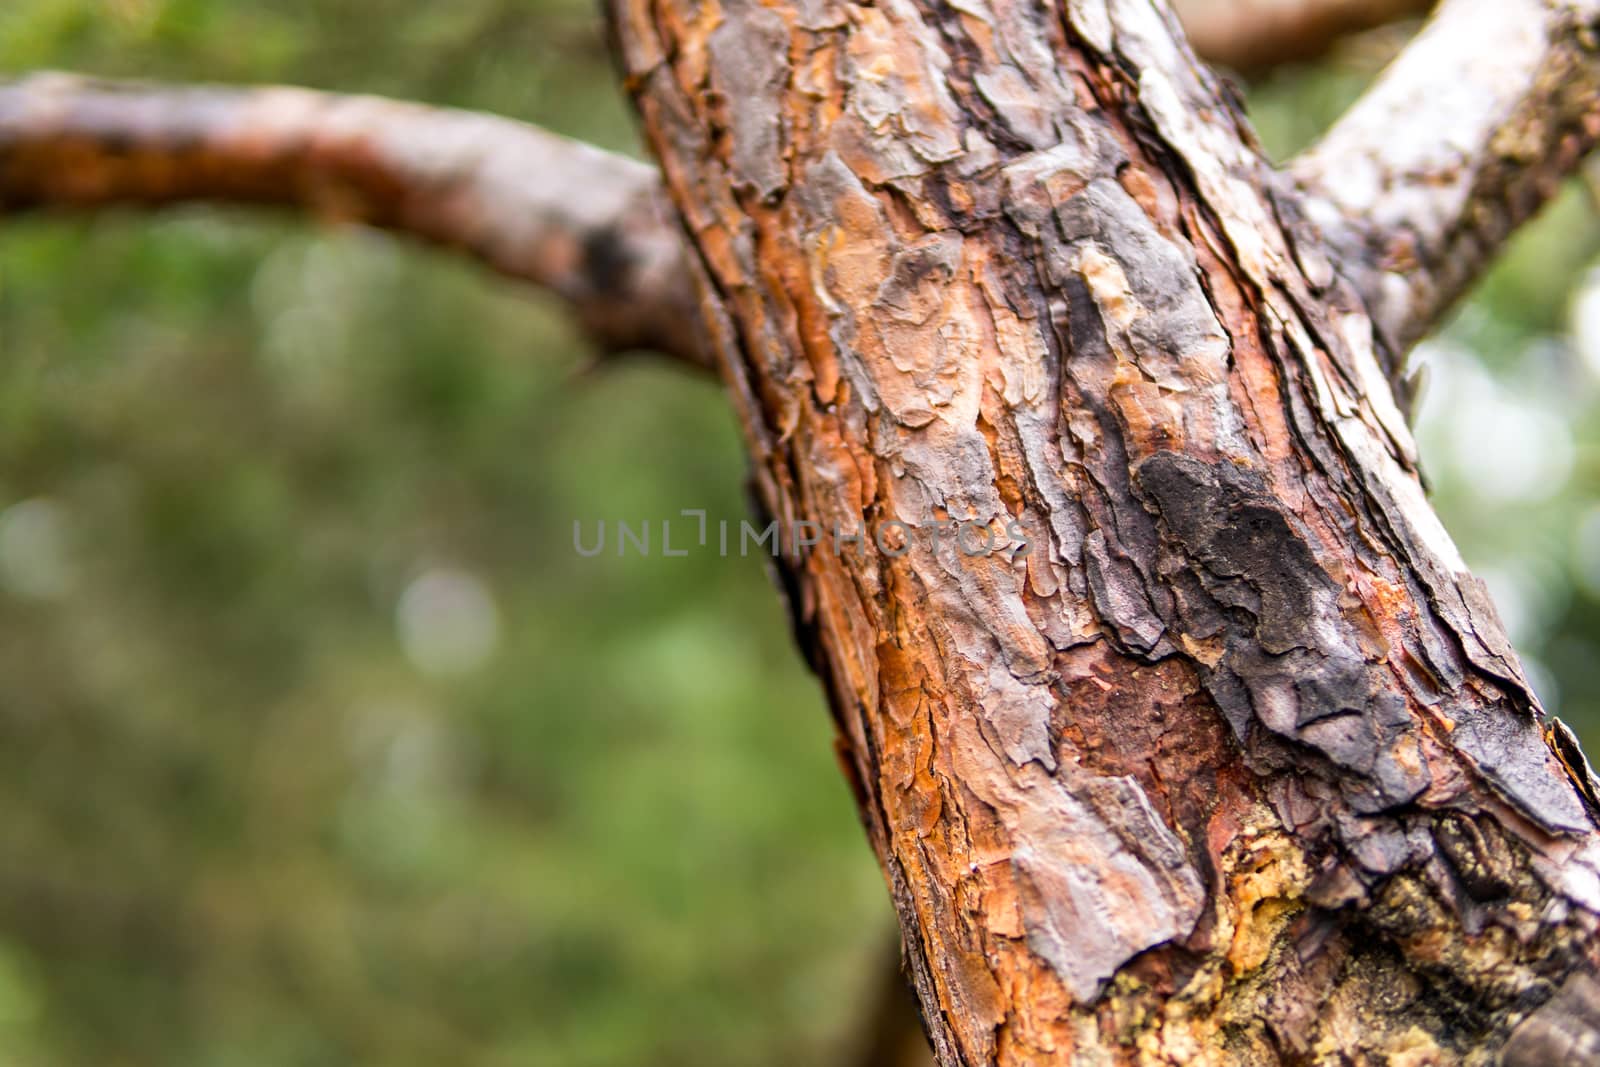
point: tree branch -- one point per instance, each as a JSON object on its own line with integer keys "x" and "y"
{"x": 1464, "y": 138}
{"x": 587, "y": 224}
{"x": 1254, "y": 35}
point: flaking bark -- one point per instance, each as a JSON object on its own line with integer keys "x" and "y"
{"x": 1236, "y": 765}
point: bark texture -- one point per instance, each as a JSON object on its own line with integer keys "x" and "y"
{"x": 1234, "y": 764}
{"x": 589, "y": 225}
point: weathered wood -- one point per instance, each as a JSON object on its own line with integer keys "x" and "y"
{"x": 1235, "y": 763}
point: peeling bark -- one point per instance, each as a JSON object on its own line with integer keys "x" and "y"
{"x": 1234, "y": 764}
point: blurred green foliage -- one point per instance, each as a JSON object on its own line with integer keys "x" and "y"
{"x": 318, "y": 745}
{"x": 249, "y": 814}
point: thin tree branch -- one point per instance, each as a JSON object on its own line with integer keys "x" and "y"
{"x": 1464, "y": 138}
{"x": 587, "y": 224}
{"x": 1252, "y": 36}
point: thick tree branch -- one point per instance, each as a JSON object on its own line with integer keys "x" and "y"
{"x": 1463, "y": 139}
{"x": 1253, "y": 35}
{"x": 590, "y": 225}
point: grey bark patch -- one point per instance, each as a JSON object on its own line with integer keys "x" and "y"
{"x": 919, "y": 275}
{"x": 1488, "y": 631}
{"x": 1101, "y": 881}
{"x": 1384, "y": 846}
{"x": 1235, "y": 530}
{"x": 750, "y": 68}
{"x": 1021, "y": 719}
{"x": 1176, "y": 323}
{"x": 1119, "y": 596}
{"x": 1508, "y": 749}
{"x": 1035, "y": 183}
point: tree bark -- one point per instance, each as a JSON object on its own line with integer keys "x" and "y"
{"x": 1232, "y": 761}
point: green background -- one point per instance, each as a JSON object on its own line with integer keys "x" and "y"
{"x": 317, "y": 743}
